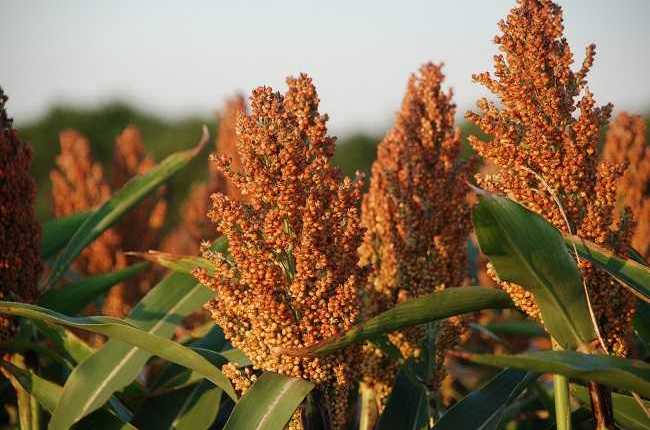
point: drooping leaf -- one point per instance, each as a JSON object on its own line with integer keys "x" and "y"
{"x": 483, "y": 408}
{"x": 526, "y": 328}
{"x": 407, "y": 406}
{"x": 122, "y": 201}
{"x": 525, "y": 249}
{"x": 432, "y": 307}
{"x": 269, "y": 403}
{"x": 66, "y": 341}
{"x": 199, "y": 409}
{"x": 625, "y": 374}
{"x": 72, "y": 298}
{"x": 633, "y": 275}
{"x": 627, "y": 412}
{"x": 57, "y": 233}
{"x": 47, "y": 394}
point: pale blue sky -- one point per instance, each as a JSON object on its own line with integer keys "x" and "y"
{"x": 177, "y": 58}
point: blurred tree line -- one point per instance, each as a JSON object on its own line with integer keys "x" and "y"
{"x": 161, "y": 137}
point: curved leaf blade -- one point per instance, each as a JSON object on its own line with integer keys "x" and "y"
{"x": 625, "y": 374}
{"x": 57, "y": 233}
{"x": 407, "y": 406}
{"x": 633, "y": 275}
{"x": 199, "y": 409}
{"x": 269, "y": 403}
{"x": 72, "y": 298}
{"x": 118, "y": 363}
{"x": 432, "y": 307}
{"x": 483, "y": 408}
{"x": 47, "y": 394}
{"x": 627, "y": 412}
{"x": 123, "y": 200}
{"x": 525, "y": 249}
{"x": 177, "y": 263}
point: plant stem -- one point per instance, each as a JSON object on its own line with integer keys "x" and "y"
{"x": 601, "y": 406}
{"x": 562, "y": 402}
{"x": 561, "y": 398}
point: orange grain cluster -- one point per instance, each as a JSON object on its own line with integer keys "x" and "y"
{"x": 291, "y": 279}
{"x": 547, "y": 126}
{"x": 626, "y": 143}
{"x": 79, "y": 184}
{"x": 416, "y": 215}
{"x": 20, "y": 233}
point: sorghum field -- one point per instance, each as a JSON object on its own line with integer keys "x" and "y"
{"x": 496, "y": 279}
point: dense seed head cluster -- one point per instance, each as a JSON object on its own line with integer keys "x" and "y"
{"x": 626, "y": 143}
{"x": 79, "y": 184}
{"x": 20, "y": 233}
{"x": 195, "y": 226}
{"x": 291, "y": 278}
{"x": 416, "y": 211}
{"x": 547, "y": 126}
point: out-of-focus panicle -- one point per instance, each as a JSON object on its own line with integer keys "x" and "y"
{"x": 626, "y": 143}
{"x": 291, "y": 278}
{"x": 545, "y": 137}
{"x": 195, "y": 227}
{"x": 140, "y": 228}
{"x": 20, "y": 233}
{"x": 417, "y": 219}
{"x": 78, "y": 185}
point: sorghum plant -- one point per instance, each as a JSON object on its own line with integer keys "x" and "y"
{"x": 545, "y": 145}
{"x": 417, "y": 222}
{"x": 292, "y": 278}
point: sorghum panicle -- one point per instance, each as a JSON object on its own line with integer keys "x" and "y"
{"x": 417, "y": 217}
{"x": 548, "y": 123}
{"x": 292, "y": 276}
{"x": 20, "y": 233}
{"x": 626, "y": 143}
{"x": 78, "y": 185}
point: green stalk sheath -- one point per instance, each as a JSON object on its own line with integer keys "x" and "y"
{"x": 562, "y": 402}
{"x": 561, "y": 397}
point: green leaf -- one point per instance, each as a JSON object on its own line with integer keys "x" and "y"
{"x": 525, "y": 249}
{"x": 483, "y": 408}
{"x": 177, "y": 263}
{"x": 72, "y": 298}
{"x": 66, "y": 341}
{"x": 117, "y": 364}
{"x": 269, "y": 403}
{"x": 627, "y": 412}
{"x": 634, "y": 276}
{"x": 641, "y": 322}
{"x": 432, "y": 307}
{"x": 407, "y": 406}
{"x": 526, "y": 328}
{"x": 625, "y": 374}
{"x": 199, "y": 409}
{"x": 122, "y": 201}
{"x": 57, "y": 233}
{"x": 48, "y": 393}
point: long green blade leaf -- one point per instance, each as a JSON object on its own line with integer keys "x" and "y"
{"x": 269, "y": 403}
{"x": 126, "y": 198}
{"x": 117, "y": 364}
{"x": 627, "y": 412}
{"x": 199, "y": 409}
{"x": 48, "y": 393}
{"x": 626, "y": 374}
{"x": 178, "y": 263}
{"x": 483, "y": 408}
{"x": 527, "y": 250}
{"x": 632, "y": 274}
{"x": 407, "y": 406}
{"x": 72, "y": 298}
{"x": 432, "y": 307}
{"x": 57, "y": 233}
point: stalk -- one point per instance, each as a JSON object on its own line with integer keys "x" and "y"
{"x": 601, "y": 406}
{"x": 561, "y": 398}
{"x": 562, "y": 402}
